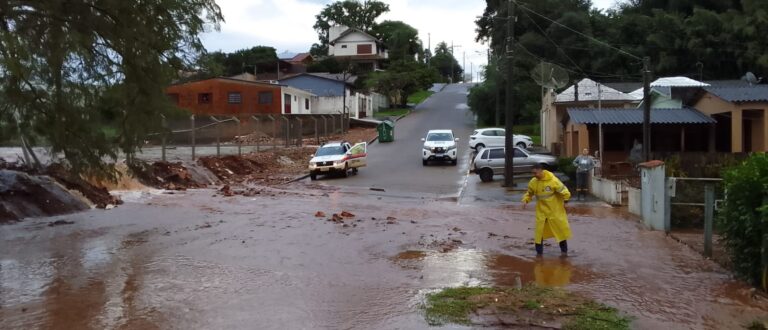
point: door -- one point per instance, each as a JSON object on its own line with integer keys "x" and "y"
{"x": 522, "y": 163}
{"x": 496, "y": 160}
{"x": 287, "y": 103}
{"x": 499, "y": 138}
{"x": 357, "y": 155}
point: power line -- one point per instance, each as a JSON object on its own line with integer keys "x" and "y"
{"x": 577, "y": 32}
{"x": 554, "y": 43}
{"x": 593, "y": 74}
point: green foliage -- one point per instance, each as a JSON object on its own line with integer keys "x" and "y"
{"x": 452, "y": 305}
{"x": 351, "y": 13}
{"x": 391, "y": 113}
{"x": 446, "y": 64}
{"x": 66, "y": 67}
{"x": 327, "y": 64}
{"x": 597, "y": 317}
{"x": 419, "y": 96}
{"x": 401, "y": 39}
{"x": 743, "y": 220}
{"x": 401, "y": 79}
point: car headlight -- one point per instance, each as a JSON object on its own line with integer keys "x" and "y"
{"x": 427, "y": 148}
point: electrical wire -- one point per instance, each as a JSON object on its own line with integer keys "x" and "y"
{"x": 578, "y": 32}
{"x": 571, "y": 70}
{"x": 554, "y": 43}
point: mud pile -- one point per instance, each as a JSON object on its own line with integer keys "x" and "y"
{"x": 253, "y": 138}
{"x": 271, "y": 167}
{"x": 23, "y": 195}
{"x": 169, "y": 176}
{"x": 99, "y": 196}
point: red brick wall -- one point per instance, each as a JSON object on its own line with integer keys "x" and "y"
{"x": 188, "y": 93}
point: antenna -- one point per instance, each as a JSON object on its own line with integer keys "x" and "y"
{"x": 549, "y": 75}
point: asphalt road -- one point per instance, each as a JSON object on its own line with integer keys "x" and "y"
{"x": 397, "y": 166}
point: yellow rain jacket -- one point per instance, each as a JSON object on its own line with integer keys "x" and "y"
{"x": 550, "y": 194}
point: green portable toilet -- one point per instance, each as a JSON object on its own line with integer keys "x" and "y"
{"x": 386, "y": 131}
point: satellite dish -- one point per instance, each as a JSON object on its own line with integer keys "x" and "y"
{"x": 549, "y": 75}
{"x": 750, "y": 78}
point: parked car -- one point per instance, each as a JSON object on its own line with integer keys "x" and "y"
{"x": 494, "y": 137}
{"x": 490, "y": 162}
{"x": 439, "y": 144}
{"x": 338, "y": 157}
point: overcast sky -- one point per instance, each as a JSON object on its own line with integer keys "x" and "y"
{"x": 286, "y": 25}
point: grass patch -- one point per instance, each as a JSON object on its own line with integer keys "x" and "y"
{"x": 528, "y": 305}
{"x": 419, "y": 96}
{"x": 391, "y": 113}
{"x": 755, "y": 325}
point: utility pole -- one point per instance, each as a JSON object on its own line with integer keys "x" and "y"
{"x": 647, "y": 108}
{"x": 600, "y": 109}
{"x": 509, "y": 151}
{"x": 463, "y": 64}
{"x": 453, "y": 59}
{"x": 429, "y": 47}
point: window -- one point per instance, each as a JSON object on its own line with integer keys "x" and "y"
{"x": 485, "y": 154}
{"x": 365, "y": 49}
{"x": 489, "y": 133}
{"x": 234, "y": 98}
{"x": 343, "y": 46}
{"x": 497, "y": 153}
{"x": 265, "y": 97}
{"x": 295, "y": 98}
{"x": 499, "y": 132}
{"x": 520, "y": 154}
{"x": 204, "y": 98}
{"x": 306, "y": 104}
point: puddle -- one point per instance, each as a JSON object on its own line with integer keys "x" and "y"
{"x": 475, "y": 267}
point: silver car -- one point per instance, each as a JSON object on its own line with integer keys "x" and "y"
{"x": 490, "y": 162}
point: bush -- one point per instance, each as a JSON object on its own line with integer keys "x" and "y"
{"x": 565, "y": 165}
{"x": 743, "y": 219}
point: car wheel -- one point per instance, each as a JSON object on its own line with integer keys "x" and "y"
{"x": 423, "y": 162}
{"x": 312, "y": 176}
{"x": 486, "y": 175}
{"x": 479, "y": 146}
{"x": 454, "y": 162}
{"x": 354, "y": 171}
{"x": 522, "y": 145}
{"x": 345, "y": 173}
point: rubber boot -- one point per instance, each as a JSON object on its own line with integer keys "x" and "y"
{"x": 539, "y": 250}
{"x": 564, "y": 248}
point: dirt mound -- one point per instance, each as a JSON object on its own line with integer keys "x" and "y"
{"x": 269, "y": 167}
{"x": 99, "y": 196}
{"x": 23, "y": 196}
{"x": 166, "y": 175}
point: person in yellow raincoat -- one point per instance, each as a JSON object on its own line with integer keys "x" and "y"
{"x": 551, "y": 220}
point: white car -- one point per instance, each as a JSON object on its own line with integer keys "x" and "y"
{"x": 440, "y": 144}
{"x": 494, "y": 137}
{"x": 338, "y": 157}
{"x": 490, "y": 162}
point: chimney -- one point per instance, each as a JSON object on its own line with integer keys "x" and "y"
{"x": 576, "y": 92}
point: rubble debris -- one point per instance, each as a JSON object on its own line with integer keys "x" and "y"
{"x": 60, "y": 222}
{"x": 165, "y": 175}
{"x": 391, "y": 218}
{"x": 269, "y": 167}
{"x": 347, "y": 214}
{"x": 320, "y": 214}
{"x": 23, "y": 195}
{"x": 99, "y": 196}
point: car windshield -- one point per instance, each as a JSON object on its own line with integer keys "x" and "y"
{"x": 330, "y": 150}
{"x": 440, "y": 137}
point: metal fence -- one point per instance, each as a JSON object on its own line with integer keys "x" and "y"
{"x": 691, "y": 200}
{"x": 236, "y": 134}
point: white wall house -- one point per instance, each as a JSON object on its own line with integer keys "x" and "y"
{"x": 357, "y": 46}
{"x": 297, "y": 102}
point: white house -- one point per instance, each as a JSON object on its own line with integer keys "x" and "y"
{"x": 361, "y": 48}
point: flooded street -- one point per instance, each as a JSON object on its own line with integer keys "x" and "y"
{"x": 192, "y": 260}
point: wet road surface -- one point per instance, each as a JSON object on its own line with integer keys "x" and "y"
{"x": 397, "y": 165}
{"x": 193, "y": 261}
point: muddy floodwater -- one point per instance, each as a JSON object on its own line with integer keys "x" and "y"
{"x": 196, "y": 260}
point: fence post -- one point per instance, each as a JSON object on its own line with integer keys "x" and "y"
{"x": 192, "y": 135}
{"x": 287, "y": 131}
{"x": 163, "y": 136}
{"x": 258, "y": 126}
{"x": 239, "y": 138}
{"x": 325, "y": 126}
{"x": 301, "y": 131}
{"x": 709, "y": 213}
{"x": 317, "y": 133}
{"x": 218, "y": 137}
{"x": 668, "y": 189}
{"x": 274, "y": 132}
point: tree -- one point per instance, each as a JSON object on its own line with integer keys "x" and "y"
{"x": 401, "y": 39}
{"x": 65, "y": 66}
{"x": 350, "y": 13}
{"x": 245, "y": 60}
{"x": 401, "y": 79}
{"x": 446, "y": 64}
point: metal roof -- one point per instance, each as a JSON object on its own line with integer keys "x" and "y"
{"x": 588, "y": 92}
{"x": 755, "y": 93}
{"x": 619, "y": 116}
{"x": 677, "y": 82}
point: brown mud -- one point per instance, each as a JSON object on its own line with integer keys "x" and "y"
{"x": 191, "y": 260}
{"x": 269, "y": 167}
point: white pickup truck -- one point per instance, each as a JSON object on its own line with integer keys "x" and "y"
{"x": 338, "y": 157}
